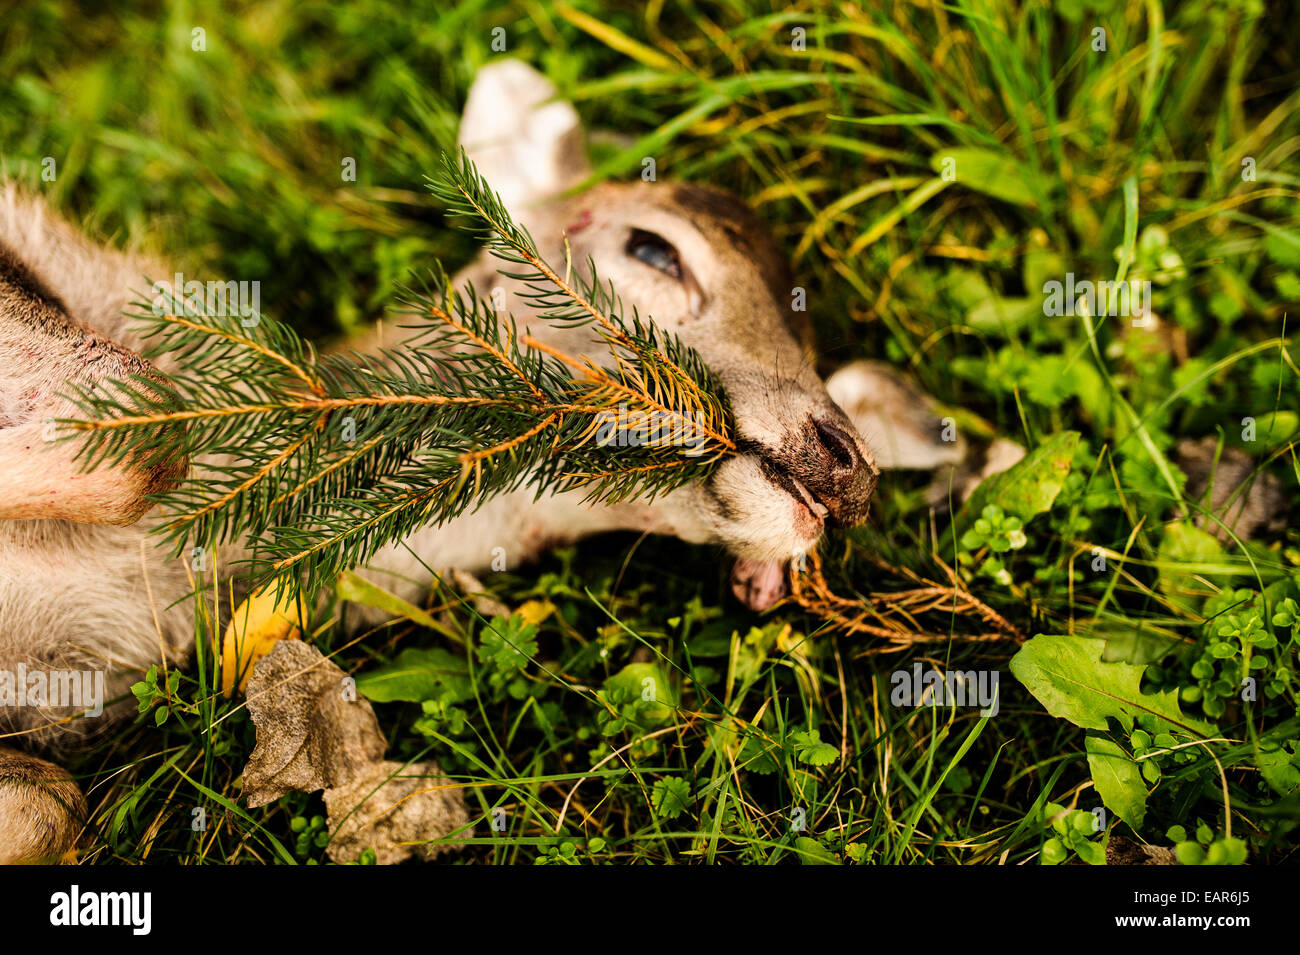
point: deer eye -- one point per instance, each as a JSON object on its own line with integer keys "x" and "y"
{"x": 655, "y": 251}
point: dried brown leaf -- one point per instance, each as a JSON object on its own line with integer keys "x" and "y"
{"x": 397, "y": 811}
{"x": 313, "y": 730}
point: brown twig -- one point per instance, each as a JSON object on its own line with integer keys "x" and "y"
{"x": 809, "y": 589}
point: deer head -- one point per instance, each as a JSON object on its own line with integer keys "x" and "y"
{"x": 699, "y": 262}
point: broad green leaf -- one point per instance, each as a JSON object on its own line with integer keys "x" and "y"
{"x": 812, "y": 852}
{"x": 1183, "y": 545}
{"x": 966, "y": 287}
{"x": 757, "y": 757}
{"x": 1029, "y": 487}
{"x": 1130, "y": 645}
{"x": 1189, "y": 853}
{"x": 356, "y": 589}
{"x": 810, "y": 750}
{"x": 643, "y": 681}
{"x": 641, "y": 692}
{"x": 1274, "y": 429}
{"x": 419, "y": 674}
{"x": 989, "y": 171}
{"x": 1282, "y": 247}
{"x": 1118, "y": 779}
{"x": 670, "y": 796}
{"x": 997, "y": 314}
{"x": 1278, "y": 767}
{"x": 1054, "y": 852}
{"x": 1093, "y": 853}
{"x": 1041, "y": 266}
{"x": 507, "y": 643}
{"x": 1068, "y": 677}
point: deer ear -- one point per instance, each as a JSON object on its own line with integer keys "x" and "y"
{"x": 898, "y": 421}
{"x": 525, "y": 142}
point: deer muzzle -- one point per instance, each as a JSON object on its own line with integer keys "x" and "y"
{"x": 824, "y": 466}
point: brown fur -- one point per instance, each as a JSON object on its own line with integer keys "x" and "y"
{"x": 48, "y": 803}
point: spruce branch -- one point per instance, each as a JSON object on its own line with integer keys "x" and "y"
{"x": 319, "y": 461}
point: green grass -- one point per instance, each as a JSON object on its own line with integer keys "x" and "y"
{"x": 1066, "y": 158}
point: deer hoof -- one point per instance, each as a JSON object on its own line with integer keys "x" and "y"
{"x": 41, "y": 811}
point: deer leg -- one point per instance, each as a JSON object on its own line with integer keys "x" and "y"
{"x": 42, "y": 811}
{"x": 44, "y": 351}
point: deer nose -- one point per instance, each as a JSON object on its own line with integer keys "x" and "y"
{"x": 823, "y": 457}
{"x": 840, "y": 476}
{"x": 839, "y": 447}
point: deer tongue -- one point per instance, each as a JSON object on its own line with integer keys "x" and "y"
{"x": 758, "y": 583}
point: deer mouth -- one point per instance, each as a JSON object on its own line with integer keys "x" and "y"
{"x": 815, "y": 509}
{"x": 829, "y": 482}
{"x": 758, "y": 584}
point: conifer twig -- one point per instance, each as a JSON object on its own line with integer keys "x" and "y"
{"x": 320, "y": 461}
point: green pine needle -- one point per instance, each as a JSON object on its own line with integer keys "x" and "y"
{"x": 319, "y": 461}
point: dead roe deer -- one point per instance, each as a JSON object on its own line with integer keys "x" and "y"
{"x": 84, "y": 588}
